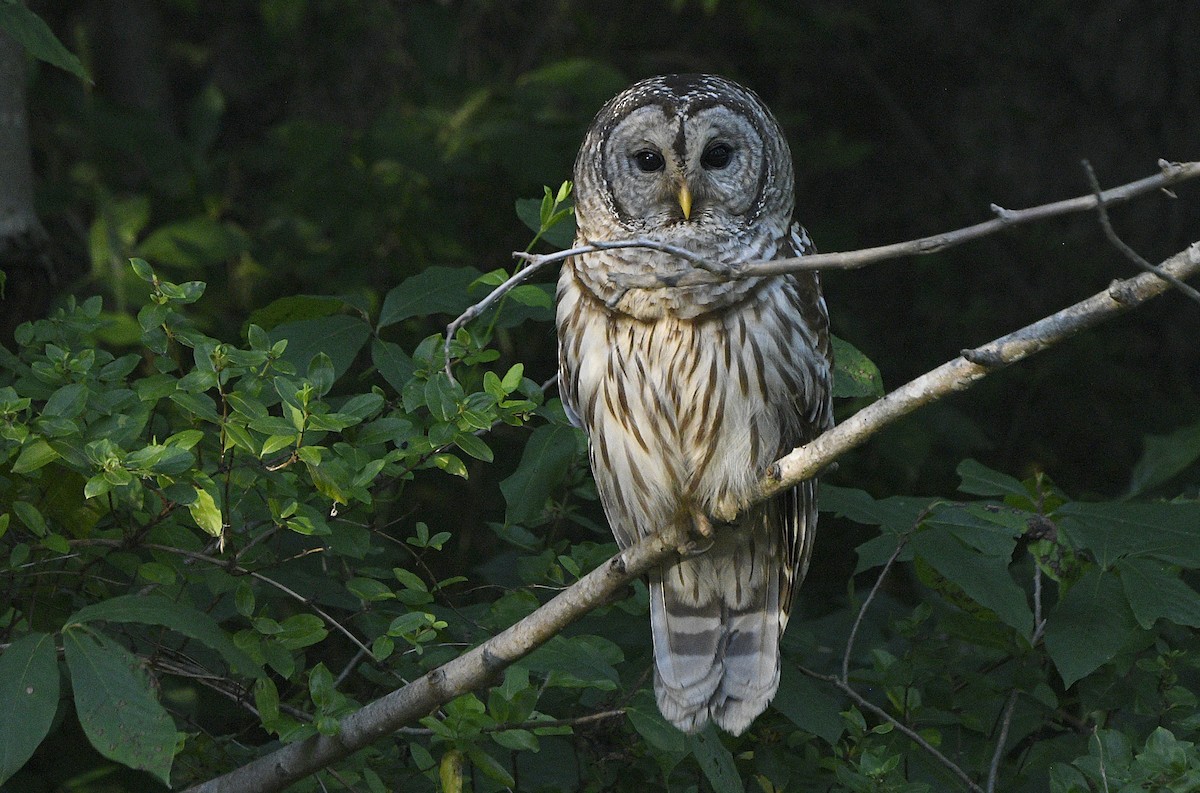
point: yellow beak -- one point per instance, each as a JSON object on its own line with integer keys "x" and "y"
{"x": 685, "y": 200}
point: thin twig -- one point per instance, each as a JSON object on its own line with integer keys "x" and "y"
{"x": 535, "y": 262}
{"x": 865, "y": 605}
{"x": 239, "y": 571}
{"x": 912, "y": 734}
{"x": 1124, "y": 248}
{"x": 1039, "y": 622}
{"x": 1005, "y": 723}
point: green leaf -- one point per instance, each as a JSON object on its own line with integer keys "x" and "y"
{"x": 116, "y": 704}
{"x": 490, "y": 766}
{"x": 185, "y": 620}
{"x": 715, "y": 761}
{"x": 512, "y": 378}
{"x": 435, "y": 290}
{"x": 141, "y": 268}
{"x": 544, "y": 465}
{"x": 192, "y": 244}
{"x": 577, "y": 662}
{"x": 32, "y": 33}
{"x": 531, "y": 295}
{"x": 28, "y": 699}
{"x": 292, "y": 309}
{"x": 1170, "y": 532}
{"x": 157, "y": 572}
{"x": 1155, "y": 591}
{"x": 473, "y": 446}
{"x": 321, "y": 373}
{"x": 984, "y": 578}
{"x": 393, "y": 363}
{"x": 35, "y": 454}
{"x": 67, "y": 402}
{"x": 340, "y": 336}
{"x": 443, "y": 396}
{"x": 809, "y": 706}
{"x": 1165, "y": 456}
{"x": 1089, "y": 626}
{"x": 561, "y": 234}
{"x": 854, "y": 374}
{"x": 206, "y": 513}
{"x": 980, "y": 480}
{"x": 31, "y": 517}
{"x": 648, "y": 721}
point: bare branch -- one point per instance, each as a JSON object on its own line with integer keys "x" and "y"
{"x": 998, "y": 754}
{"x": 476, "y": 667}
{"x": 1169, "y": 173}
{"x": 1120, "y": 244}
{"x": 709, "y": 272}
{"x": 469, "y": 671}
{"x": 972, "y": 366}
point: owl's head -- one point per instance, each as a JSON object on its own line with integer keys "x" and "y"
{"x": 682, "y": 156}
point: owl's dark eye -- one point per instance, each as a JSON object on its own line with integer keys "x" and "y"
{"x": 716, "y": 156}
{"x": 648, "y": 161}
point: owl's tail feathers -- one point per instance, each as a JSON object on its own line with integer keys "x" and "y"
{"x": 715, "y": 656}
{"x": 751, "y": 660}
{"x": 687, "y": 640}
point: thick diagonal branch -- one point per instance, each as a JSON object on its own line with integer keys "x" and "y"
{"x": 478, "y": 667}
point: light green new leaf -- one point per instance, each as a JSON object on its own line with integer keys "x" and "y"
{"x": 156, "y": 610}
{"x": 116, "y": 704}
{"x": 206, "y": 513}
{"x": 35, "y": 454}
{"x": 28, "y": 699}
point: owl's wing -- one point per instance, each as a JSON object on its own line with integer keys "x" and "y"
{"x": 797, "y": 507}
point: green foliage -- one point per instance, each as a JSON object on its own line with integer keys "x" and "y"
{"x": 236, "y": 512}
{"x": 225, "y": 515}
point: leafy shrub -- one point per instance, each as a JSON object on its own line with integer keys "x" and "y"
{"x": 218, "y": 543}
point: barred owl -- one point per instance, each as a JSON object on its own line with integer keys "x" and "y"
{"x": 689, "y": 393}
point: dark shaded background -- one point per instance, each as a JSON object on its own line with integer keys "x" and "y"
{"x": 335, "y": 147}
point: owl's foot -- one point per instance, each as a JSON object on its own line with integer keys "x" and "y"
{"x": 701, "y": 538}
{"x": 726, "y": 510}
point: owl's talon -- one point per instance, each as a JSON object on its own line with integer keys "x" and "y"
{"x": 692, "y": 548}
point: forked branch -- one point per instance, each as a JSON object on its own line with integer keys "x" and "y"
{"x": 480, "y": 665}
